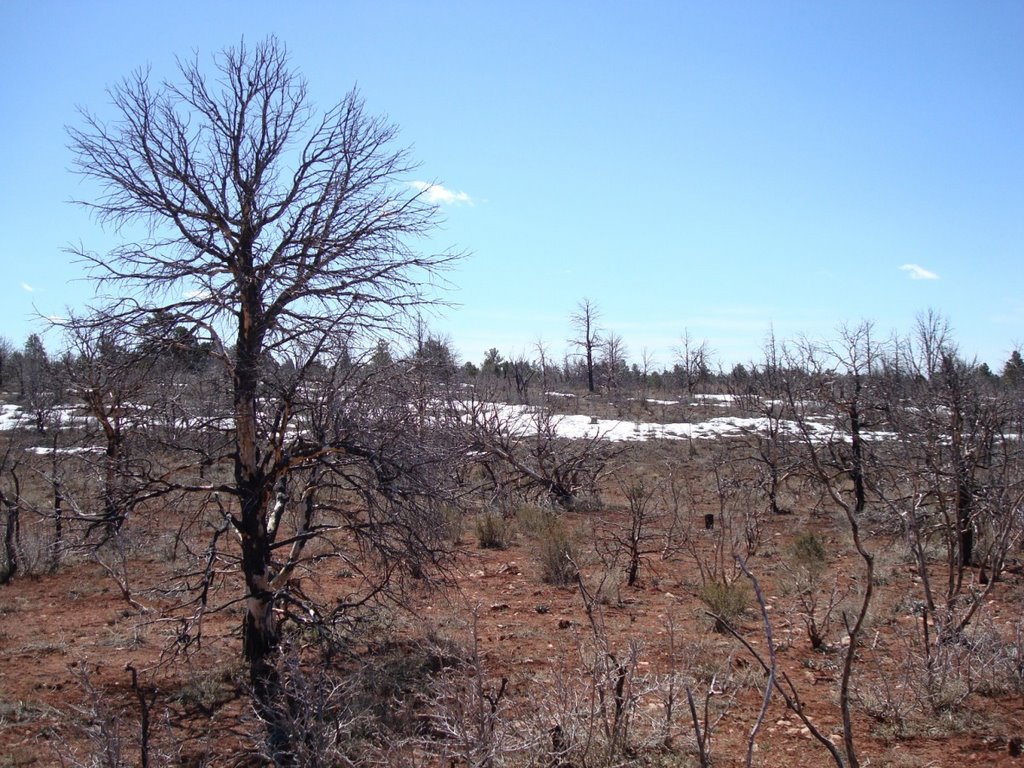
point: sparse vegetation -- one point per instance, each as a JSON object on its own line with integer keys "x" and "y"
{"x": 376, "y": 690}
{"x": 242, "y": 500}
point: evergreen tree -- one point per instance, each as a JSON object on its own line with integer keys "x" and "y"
{"x": 1013, "y": 370}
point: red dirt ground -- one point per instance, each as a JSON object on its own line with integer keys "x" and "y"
{"x": 55, "y": 627}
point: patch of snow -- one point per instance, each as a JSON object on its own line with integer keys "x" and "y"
{"x": 11, "y": 417}
{"x": 524, "y": 420}
{"x": 719, "y": 400}
{"x": 42, "y": 450}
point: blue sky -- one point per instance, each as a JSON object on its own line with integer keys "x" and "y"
{"x": 716, "y": 168}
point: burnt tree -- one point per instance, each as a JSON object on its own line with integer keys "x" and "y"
{"x": 278, "y": 236}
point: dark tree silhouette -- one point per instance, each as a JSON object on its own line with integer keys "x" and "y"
{"x": 584, "y": 321}
{"x": 276, "y": 233}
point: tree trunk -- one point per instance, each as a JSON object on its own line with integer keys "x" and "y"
{"x": 58, "y": 526}
{"x": 857, "y": 471}
{"x": 10, "y": 540}
{"x": 965, "y": 526}
{"x": 962, "y": 478}
{"x": 113, "y": 516}
{"x": 590, "y": 365}
{"x": 259, "y": 630}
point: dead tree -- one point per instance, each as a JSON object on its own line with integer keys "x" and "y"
{"x": 839, "y": 388}
{"x": 108, "y": 374}
{"x": 10, "y": 503}
{"x": 521, "y": 455}
{"x": 957, "y": 475}
{"x": 693, "y": 362}
{"x": 588, "y": 336}
{"x": 278, "y": 234}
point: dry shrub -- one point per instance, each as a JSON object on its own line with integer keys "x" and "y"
{"x": 726, "y": 600}
{"x": 808, "y": 553}
{"x": 557, "y": 556}
{"x": 925, "y": 693}
{"x": 535, "y": 520}
{"x": 555, "y": 548}
{"x": 493, "y": 531}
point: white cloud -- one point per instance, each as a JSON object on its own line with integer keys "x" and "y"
{"x": 27, "y": 288}
{"x": 435, "y": 193}
{"x": 917, "y": 272}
